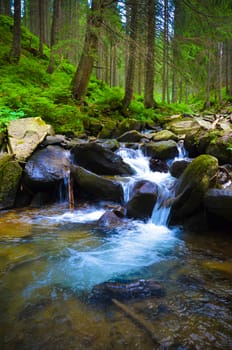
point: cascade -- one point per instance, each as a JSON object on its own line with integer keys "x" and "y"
{"x": 182, "y": 153}
{"x": 140, "y": 164}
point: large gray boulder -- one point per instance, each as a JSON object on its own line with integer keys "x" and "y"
{"x": 46, "y": 168}
{"x": 97, "y": 187}
{"x": 161, "y": 150}
{"x": 197, "y": 178}
{"x": 143, "y": 199}
{"x": 25, "y": 135}
{"x": 10, "y": 175}
{"x": 100, "y": 160}
{"x": 219, "y": 202}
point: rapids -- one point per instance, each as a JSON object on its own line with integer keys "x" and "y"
{"x": 51, "y": 258}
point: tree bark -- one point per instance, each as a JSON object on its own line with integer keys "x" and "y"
{"x": 150, "y": 56}
{"x": 54, "y": 33}
{"x": 41, "y": 26}
{"x": 16, "y": 46}
{"x": 82, "y": 76}
{"x": 131, "y": 60}
{"x": 165, "y": 53}
{"x": 230, "y": 67}
{"x": 208, "y": 88}
{"x": 5, "y": 7}
{"x": 178, "y": 21}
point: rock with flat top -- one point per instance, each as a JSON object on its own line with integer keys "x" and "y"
{"x": 25, "y": 135}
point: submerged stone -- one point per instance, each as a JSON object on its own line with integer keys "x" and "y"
{"x": 134, "y": 289}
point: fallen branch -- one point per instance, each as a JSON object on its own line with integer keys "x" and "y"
{"x": 146, "y": 325}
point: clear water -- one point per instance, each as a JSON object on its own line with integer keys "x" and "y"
{"x": 51, "y": 258}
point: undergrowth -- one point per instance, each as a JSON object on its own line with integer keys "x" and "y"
{"x": 27, "y": 90}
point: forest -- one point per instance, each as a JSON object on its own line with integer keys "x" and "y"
{"x": 63, "y": 60}
{"x": 115, "y": 174}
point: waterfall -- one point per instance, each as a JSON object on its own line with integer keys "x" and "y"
{"x": 140, "y": 164}
{"x": 182, "y": 153}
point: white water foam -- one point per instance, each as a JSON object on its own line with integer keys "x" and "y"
{"x": 126, "y": 251}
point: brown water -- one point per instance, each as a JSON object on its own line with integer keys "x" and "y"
{"x": 50, "y": 259}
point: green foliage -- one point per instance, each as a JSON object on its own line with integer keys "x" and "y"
{"x": 6, "y": 115}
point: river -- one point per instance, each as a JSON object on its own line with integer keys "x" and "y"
{"x": 51, "y": 258}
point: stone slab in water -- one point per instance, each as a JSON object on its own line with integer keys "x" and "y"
{"x": 135, "y": 289}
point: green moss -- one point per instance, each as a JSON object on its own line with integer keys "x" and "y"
{"x": 10, "y": 174}
{"x": 200, "y": 174}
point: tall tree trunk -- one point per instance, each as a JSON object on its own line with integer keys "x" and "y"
{"x": 82, "y": 76}
{"x": 54, "y": 33}
{"x": 219, "y": 72}
{"x": 230, "y": 65}
{"x": 150, "y": 55}
{"x": 208, "y": 90}
{"x": 5, "y": 7}
{"x": 34, "y": 18}
{"x": 41, "y": 26}
{"x": 165, "y": 53}
{"x": 175, "y": 48}
{"x": 131, "y": 60}
{"x": 16, "y": 46}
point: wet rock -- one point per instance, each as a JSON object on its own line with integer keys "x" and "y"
{"x": 162, "y": 150}
{"x": 10, "y": 175}
{"x": 219, "y": 202}
{"x": 197, "y": 178}
{"x": 46, "y": 168}
{"x": 158, "y": 165}
{"x": 144, "y": 196}
{"x": 109, "y": 219}
{"x": 111, "y": 144}
{"x": 164, "y": 135}
{"x": 100, "y": 160}
{"x": 60, "y": 140}
{"x": 94, "y": 186}
{"x": 25, "y": 135}
{"x": 131, "y": 136}
{"x": 121, "y": 291}
{"x": 224, "y": 175}
{"x": 178, "y": 167}
{"x": 220, "y": 148}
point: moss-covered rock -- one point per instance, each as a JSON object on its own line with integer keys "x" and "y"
{"x": 127, "y": 125}
{"x": 131, "y": 136}
{"x": 108, "y": 129}
{"x": 92, "y": 126}
{"x": 164, "y": 135}
{"x": 10, "y": 175}
{"x": 161, "y": 150}
{"x": 183, "y": 127}
{"x": 221, "y": 148}
{"x": 197, "y": 178}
